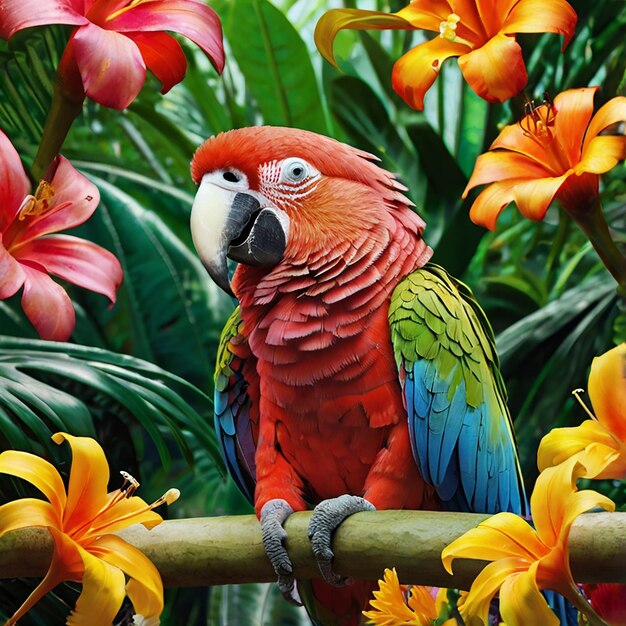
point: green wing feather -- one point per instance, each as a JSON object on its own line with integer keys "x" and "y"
{"x": 460, "y": 427}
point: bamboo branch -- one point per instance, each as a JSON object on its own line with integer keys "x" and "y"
{"x": 221, "y": 550}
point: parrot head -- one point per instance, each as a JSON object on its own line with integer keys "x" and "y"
{"x": 271, "y": 195}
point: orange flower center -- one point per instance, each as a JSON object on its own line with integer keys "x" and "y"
{"x": 37, "y": 204}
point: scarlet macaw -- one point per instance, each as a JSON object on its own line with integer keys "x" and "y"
{"x": 353, "y": 375}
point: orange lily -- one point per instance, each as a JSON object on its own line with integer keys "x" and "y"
{"x": 608, "y": 601}
{"x": 555, "y": 151}
{"x": 524, "y": 559}
{"x": 480, "y": 32}
{"x": 81, "y": 522}
{"x": 600, "y": 442}
{"x": 394, "y": 605}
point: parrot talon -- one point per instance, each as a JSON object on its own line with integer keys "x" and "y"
{"x": 327, "y": 517}
{"x": 273, "y": 516}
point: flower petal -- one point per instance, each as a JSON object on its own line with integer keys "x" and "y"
{"x": 574, "y": 109}
{"x": 415, "y": 72}
{"x": 37, "y": 472}
{"x": 102, "y": 595}
{"x": 503, "y": 165}
{"x": 335, "y": 20}
{"x": 492, "y": 13}
{"x": 501, "y": 536}
{"x": 89, "y": 477}
{"x": 110, "y": 66}
{"x": 578, "y": 503}
{"x": 562, "y": 443}
{"x": 607, "y": 389}
{"x": 539, "y": 16}
{"x": 475, "y": 607}
{"x": 19, "y": 14}
{"x": 11, "y": 273}
{"x": 124, "y": 513}
{"x": 145, "y": 588}
{"x": 491, "y": 202}
{"x": 495, "y": 71}
{"x": 163, "y": 56}
{"x": 516, "y": 139}
{"x": 194, "y": 20}
{"x": 427, "y": 14}
{"x": 47, "y": 305}
{"x": 613, "y": 112}
{"x": 602, "y": 154}
{"x": 27, "y": 512}
{"x": 78, "y": 261}
{"x": 74, "y": 201}
{"x": 389, "y": 605}
{"x": 14, "y": 184}
{"x": 522, "y": 604}
{"x": 533, "y": 197}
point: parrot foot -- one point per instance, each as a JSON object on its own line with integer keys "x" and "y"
{"x": 273, "y": 516}
{"x": 327, "y": 516}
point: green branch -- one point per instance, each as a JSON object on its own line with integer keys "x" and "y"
{"x": 222, "y": 550}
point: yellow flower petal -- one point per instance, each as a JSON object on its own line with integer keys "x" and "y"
{"x": 145, "y": 588}
{"x": 27, "y": 512}
{"x": 475, "y": 607}
{"x": 562, "y": 443}
{"x": 602, "y": 154}
{"x": 124, "y": 513}
{"x": 89, "y": 477}
{"x": 501, "y": 536}
{"x": 578, "y": 503}
{"x": 422, "y": 603}
{"x": 415, "y": 72}
{"x": 102, "y": 595}
{"x": 612, "y": 112}
{"x": 607, "y": 389}
{"x": 533, "y": 197}
{"x": 389, "y": 607}
{"x": 354, "y": 19}
{"x": 38, "y": 472}
{"x": 496, "y": 70}
{"x": 542, "y": 16}
{"x": 491, "y": 202}
{"x": 522, "y": 604}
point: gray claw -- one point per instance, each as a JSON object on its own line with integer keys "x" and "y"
{"x": 273, "y": 516}
{"x": 327, "y": 516}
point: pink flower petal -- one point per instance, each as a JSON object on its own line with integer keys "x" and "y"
{"x": 80, "y": 262}
{"x": 110, "y": 66}
{"x": 47, "y": 305}
{"x": 11, "y": 273}
{"x": 193, "y": 20}
{"x": 163, "y": 56}
{"x": 75, "y": 199}
{"x": 14, "y": 185}
{"x": 16, "y": 15}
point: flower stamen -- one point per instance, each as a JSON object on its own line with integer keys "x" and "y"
{"x": 576, "y": 393}
{"x": 539, "y": 118}
{"x": 130, "y": 5}
{"x": 37, "y": 204}
{"x": 447, "y": 30}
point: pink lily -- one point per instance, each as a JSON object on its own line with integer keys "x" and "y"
{"x": 115, "y": 40}
{"x": 29, "y": 252}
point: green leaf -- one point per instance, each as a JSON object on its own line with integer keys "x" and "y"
{"x": 276, "y": 65}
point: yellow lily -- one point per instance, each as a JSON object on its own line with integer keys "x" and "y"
{"x": 525, "y": 560}
{"x": 81, "y": 522}
{"x": 481, "y": 33}
{"x": 600, "y": 442}
{"x": 394, "y": 605}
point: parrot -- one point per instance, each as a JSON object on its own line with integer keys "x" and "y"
{"x": 354, "y": 374}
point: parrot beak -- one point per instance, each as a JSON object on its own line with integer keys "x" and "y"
{"x": 239, "y": 224}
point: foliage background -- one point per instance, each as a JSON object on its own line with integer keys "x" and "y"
{"x": 138, "y": 376}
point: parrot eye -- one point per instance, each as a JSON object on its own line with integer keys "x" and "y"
{"x": 295, "y": 170}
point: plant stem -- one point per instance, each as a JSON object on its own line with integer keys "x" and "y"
{"x": 63, "y": 111}
{"x": 579, "y": 601}
{"x": 595, "y": 227}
